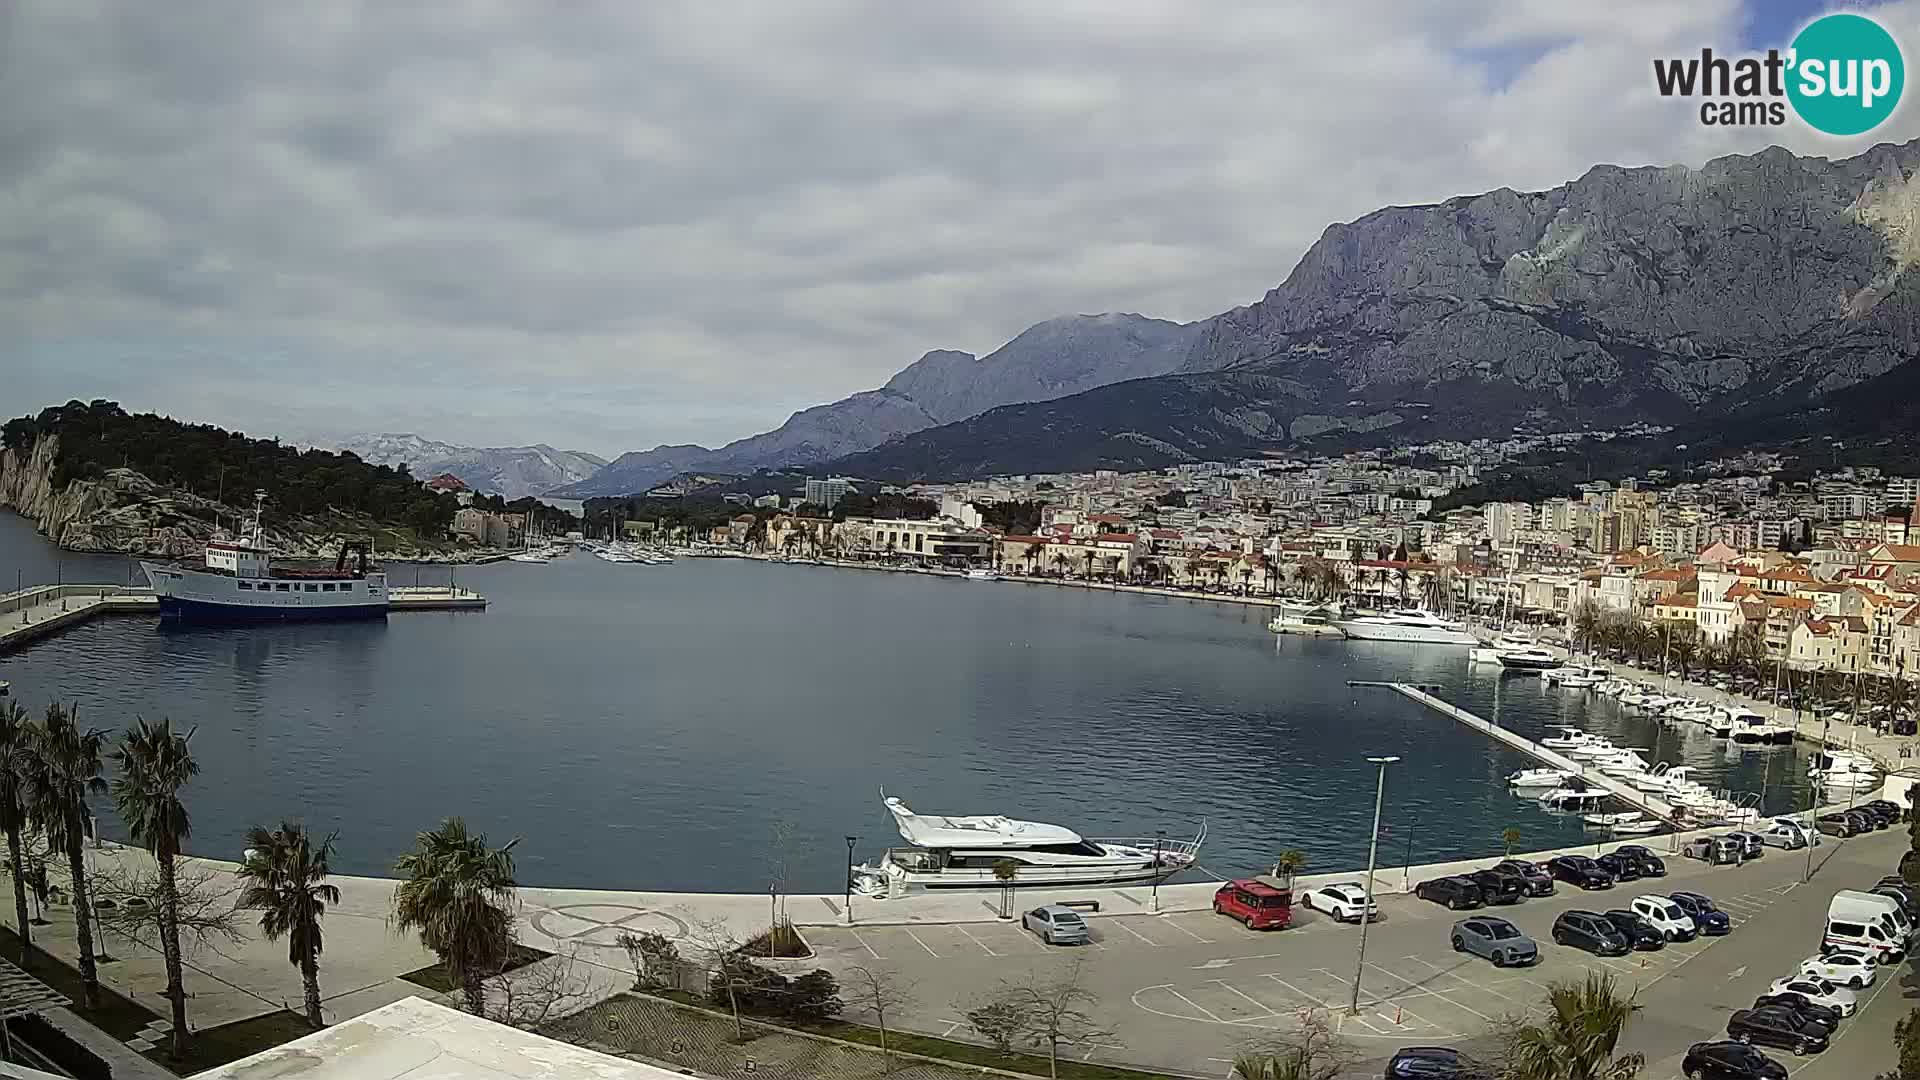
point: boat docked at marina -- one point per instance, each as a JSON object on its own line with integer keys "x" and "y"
{"x": 963, "y": 852}
{"x": 1540, "y": 778}
{"x": 1840, "y": 770}
{"x": 1412, "y": 627}
{"x": 1311, "y": 620}
{"x": 1533, "y": 658}
{"x": 1751, "y": 728}
{"x": 239, "y": 583}
{"x": 978, "y": 573}
{"x": 1489, "y": 653}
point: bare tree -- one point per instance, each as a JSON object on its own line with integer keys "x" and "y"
{"x": 878, "y": 992}
{"x": 652, "y": 955}
{"x": 127, "y": 898}
{"x": 996, "y": 1020}
{"x": 1054, "y": 1013}
{"x": 1315, "y": 1052}
{"x": 531, "y": 996}
{"x": 719, "y": 950}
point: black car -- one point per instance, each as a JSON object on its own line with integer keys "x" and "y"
{"x": 1620, "y": 867}
{"x": 1708, "y": 919}
{"x": 1729, "y": 1060}
{"x": 1498, "y": 886}
{"x": 1824, "y": 1015}
{"x": 1863, "y": 822}
{"x": 1906, "y": 725}
{"x": 1639, "y": 932}
{"x": 1539, "y": 882}
{"x": 1907, "y": 896}
{"x": 1837, "y": 824}
{"x": 1591, "y": 931}
{"x": 1650, "y": 865}
{"x": 1777, "y": 1026}
{"x": 1455, "y": 892}
{"x": 1433, "y": 1063}
{"x": 1884, "y": 811}
{"x": 1579, "y": 870}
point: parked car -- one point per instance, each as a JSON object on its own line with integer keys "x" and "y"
{"x": 1729, "y": 1060}
{"x": 1708, "y": 919}
{"x": 1665, "y": 916}
{"x": 1579, "y": 870}
{"x": 1886, "y": 810}
{"x": 1817, "y": 990}
{"x": 1650, "y": 865}
{"x": 1907, "y": 859}
{"x": 1787, "y": 834}
{"x": 1907, "y": 896}
{"x": 1456, "y": 892}
{"x": 1619, "y": 867}
{"x": 1906, "y": 725}
{"x": 1844, "y": 967}
{"x": 1496, "y": 939}
{"x": 1057, "y": 925}
{"x": 1539, "y": 882}
{"x": 1712, "y": 850}
{"x": 1836, "y": 824}
{"x": 1820, "y": 1014}
{"x": 1639, "y": 933}
{"x": 1776, "y": 1026}
{"x": 1872, "y": 822}
{"x": 1257, "y": 904}
{"x": 1498, "y": 886}
{"x": 1432, "y": 1063}
{"x": 1752, "y": 846}
{"x": 1343, "y": 900}
{"x": 1590, "y": 931}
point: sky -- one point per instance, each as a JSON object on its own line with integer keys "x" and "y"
{"x": 606, "y": 226}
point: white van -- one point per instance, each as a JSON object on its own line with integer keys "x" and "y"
{"x": 1858, "y": 920}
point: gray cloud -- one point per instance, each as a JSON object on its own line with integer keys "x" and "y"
{"x": 607, "y": 226}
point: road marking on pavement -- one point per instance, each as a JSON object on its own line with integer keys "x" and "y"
{"x": 1196, "y": 1005}
{"x": 922, "y": 944}
{"x": 1449, "y": 973}
{"x": 1736, "y": 972}
{"x": 1255, "y": 1002}
{"x": 1237, "y": 959}
{"x": 1208, "y": 966}
{"x": 1416, "y": 988}
{"x": 1136, "y": 933}
{"x": 863, "y": 944}
{"x": 1189, "y": 933}
{"x": 975, "y": 940}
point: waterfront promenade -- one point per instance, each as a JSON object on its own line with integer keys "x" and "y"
{"x": 48, "y": 609}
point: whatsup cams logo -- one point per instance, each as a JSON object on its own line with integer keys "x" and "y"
{"x": 1842, "y": 75}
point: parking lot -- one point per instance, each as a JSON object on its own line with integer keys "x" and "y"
{"x": 1184, "y": 991}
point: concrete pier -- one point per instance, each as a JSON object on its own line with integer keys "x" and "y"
{"x": 1619, "y": 789}
{"x": 434, "y": 598}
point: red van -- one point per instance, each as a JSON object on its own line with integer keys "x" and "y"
{"x": 1256, "y": 903}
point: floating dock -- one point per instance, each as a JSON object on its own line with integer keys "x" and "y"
{"x": 1619, "y": 789}
{"x": 34, "y": 613}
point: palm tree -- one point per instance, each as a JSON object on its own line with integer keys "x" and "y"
{"x": 286, "y": 881}
{"x": 456, "y": 896}
{"x": 1402, "y": 576}
{"x": 1034, "y": 551}
{"x": 1509, "y": 836}
{"x": 1005, "y": 871}
{"x": 1060, "y": 563}
{"x": 155, "y": 764}
{"x": 1246, "y": 578}
{"x": 62, "y": 769}
{"x": 1576, "y": 1039}
{"x": 1089, "y": 557}
{"x": 1684, "y": 650}
{"x": 1288, "y": 863}
{"x": 16, "y": 729}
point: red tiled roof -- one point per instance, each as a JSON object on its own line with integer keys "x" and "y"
{"x": 1116, "y": 538}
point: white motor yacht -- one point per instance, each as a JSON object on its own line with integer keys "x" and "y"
{"x": 1568, "y": 738}
{"x": 1546, "y": 778}
{"x": 1598, "y": 747}
{"x": 1746, "y": 726}
{"x": 1838, "y": 770}
{"x": 1720, "y": 724}
{"x": 529, "y": 557}
{"x": 1620, "y": 817}
{"x": 981, "y": 573}
{"x": 956, "y": 852}
{"x": 1572, "y": 799}
{"x": 1490, "y": 652}
{"x": 1626, "y": 764}
{"x": 1531, "y": 658}
{"x": 1411, "y": 627}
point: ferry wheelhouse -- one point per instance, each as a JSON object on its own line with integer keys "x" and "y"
{"x": 238, "y": 583}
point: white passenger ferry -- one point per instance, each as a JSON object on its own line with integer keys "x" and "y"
{"x": 951, "y": 852}
{"x": 239, "y": 584}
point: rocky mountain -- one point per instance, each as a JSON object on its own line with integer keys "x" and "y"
{"x": 1048, "y": 360}
{"x": 1666, "y": 294}
{"x": 510, "y": 471}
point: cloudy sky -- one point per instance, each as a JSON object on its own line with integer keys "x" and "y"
{"x": 606, "y": 226}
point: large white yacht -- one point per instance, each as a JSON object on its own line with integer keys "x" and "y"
{"x": 1413, "y": 627}
{"x": 952, "y": 852}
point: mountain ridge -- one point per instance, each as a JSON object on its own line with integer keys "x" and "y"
{"x": 509, "y": 471}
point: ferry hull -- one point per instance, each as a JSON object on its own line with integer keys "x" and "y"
{"x": 178, "y": 609}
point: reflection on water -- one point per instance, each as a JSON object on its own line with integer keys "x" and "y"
{"x": 645, "y": 726}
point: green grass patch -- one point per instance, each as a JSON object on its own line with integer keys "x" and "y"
{"x": 210, "y": 1048}
{"x": 434, "y": 976}
{"x": 972, "y": 1054}
{"x": 118, "y": 1016}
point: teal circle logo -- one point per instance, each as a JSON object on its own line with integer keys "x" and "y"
{"x": 1847, "y": 74}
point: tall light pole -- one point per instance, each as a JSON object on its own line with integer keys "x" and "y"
{"x": 1159, "y": 844}
{"x": 851, "y": 840}
{"x": 1373, "y": 853}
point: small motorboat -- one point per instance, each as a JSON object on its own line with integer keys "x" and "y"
{"x": 1547, "y": 778}
{"x": 1572, "y": 799}
{"x": 1533, "y": 658}
{"x": 1621, "y": 817}
{"x": 1635, "y": 828}
{"x": 1568, "y": 738}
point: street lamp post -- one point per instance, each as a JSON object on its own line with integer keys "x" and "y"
{"x": 1813, "y": 804}
{"x": 851, "y": 840}
{"x": 1373, "y": 853}
{"x": 1159, "y": 844}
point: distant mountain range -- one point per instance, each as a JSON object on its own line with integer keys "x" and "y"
{"x": 510, "y": 471}
{"x": 1752, "y": 287}
{"x": 1052, "y": 359}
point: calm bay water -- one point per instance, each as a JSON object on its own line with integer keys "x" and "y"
{"x": 649, "y": 727}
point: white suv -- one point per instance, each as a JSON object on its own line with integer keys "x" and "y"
{"x": 1666, "y": 917}
{"x": 1343, "y": 900}
{"x": 1842, "y": 966}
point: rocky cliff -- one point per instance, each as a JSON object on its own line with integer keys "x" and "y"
{"x": 125, "y": 512}
{"x": 1672, "y": 295}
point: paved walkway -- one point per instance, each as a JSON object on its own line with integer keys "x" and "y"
{"x": 30, "y": 613}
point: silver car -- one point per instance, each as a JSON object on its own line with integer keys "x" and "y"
{"x": 1057, "y": 925}
{"x": 1496, "y": 939}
